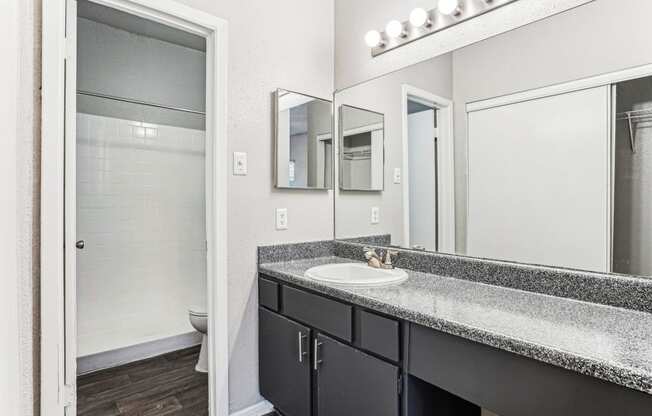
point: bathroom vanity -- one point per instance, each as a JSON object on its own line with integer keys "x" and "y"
{"x": 443, "y": 345}
{"x": 512, "y": 174}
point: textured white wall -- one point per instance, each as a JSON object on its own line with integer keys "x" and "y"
{"x": 141, "y": 212}
{"x": 286, "y": 44}
{"x": 271, "y": 44}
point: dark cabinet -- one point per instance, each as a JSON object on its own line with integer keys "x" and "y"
{"x": 377, "y": 334}
{"x": 304, "y": 372}
{"x": 319, "y": 312}
{"x": 268, "y": 294}
{"x": 284, "y": 363}
{"x": 352, "y": 383}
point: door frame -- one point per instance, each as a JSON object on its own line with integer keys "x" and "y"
{"x": 12, "y": 370}
{"x": 56, "y": 51}
{"x": 445, "y": 163}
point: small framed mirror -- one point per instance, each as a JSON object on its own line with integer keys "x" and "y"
{"x": 362, "y": 144}
{"x": 304, "y": 141}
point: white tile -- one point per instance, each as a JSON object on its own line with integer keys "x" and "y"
{"x": 141, "y": 211}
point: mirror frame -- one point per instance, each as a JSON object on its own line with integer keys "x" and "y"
{"x": 277, "y": 95}
{"x": 340, "y": 153}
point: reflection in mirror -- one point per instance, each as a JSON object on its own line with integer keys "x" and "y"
{"x": 520, "y": 149}
{"x": 304, "y": 142}
{"x": 362, "y": 155}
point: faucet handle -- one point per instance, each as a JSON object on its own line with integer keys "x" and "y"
{"x": 388, "y": 257}
{"x": 370, "y": 252}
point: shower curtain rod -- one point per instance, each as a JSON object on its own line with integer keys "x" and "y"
{"x": 132, "y": 101}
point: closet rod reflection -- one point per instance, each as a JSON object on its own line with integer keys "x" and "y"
{"x": 132, "y": 101}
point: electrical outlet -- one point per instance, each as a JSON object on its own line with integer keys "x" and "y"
{"x": 239, "y": 163}
{"x": 397, "y": 175}
{"x": 375, "y": 215}
{"x": 281, "y": 218}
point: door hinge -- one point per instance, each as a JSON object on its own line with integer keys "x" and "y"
{"x": 69, "y": 395}
{"x": 400, "y": 385}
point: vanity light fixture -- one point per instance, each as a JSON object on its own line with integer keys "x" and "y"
{"x": 373, "y": 39}
{"x": 395, "y": 29}
{"x": 419, "y": 17}
{"x": 449, "y": 7}
{"x": 423, "y": 22}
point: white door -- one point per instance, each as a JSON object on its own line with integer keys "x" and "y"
{"x": 422, "y": 180}
{"x": 71, "y": 245}
{"x": 539, "y": 181}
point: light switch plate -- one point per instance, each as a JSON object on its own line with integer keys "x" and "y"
{"x": 239, "y": 163}
{"x": 281, "y": 218}
{"x": 375, "y": 215}
{"x": 397, "y": 175}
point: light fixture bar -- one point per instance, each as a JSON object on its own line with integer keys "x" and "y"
{"x": 434, "y": 21}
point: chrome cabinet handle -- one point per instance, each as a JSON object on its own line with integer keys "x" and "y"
{"x": 316, "y": 346}
{"x": 301, "y": 351}
{"x": 80, "y": 244}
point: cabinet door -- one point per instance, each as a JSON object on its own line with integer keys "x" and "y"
{"x": 284, "y": 363}
{"x": 352, "y": 383}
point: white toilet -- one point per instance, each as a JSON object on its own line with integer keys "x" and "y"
{"x": 199, "y": 320}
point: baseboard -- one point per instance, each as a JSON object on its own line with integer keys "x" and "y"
{"x": 259, "y": 409}
{"x": 108, "y": 359}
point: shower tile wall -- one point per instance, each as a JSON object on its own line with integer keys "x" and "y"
{"x": 141, "y": 212}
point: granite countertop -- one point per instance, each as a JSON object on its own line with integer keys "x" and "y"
{"x": 606, "y": 342}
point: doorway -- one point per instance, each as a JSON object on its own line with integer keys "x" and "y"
{"x": 428, "y": 171}
{"x": 138, "y": 154}
{"x": 422, "y": 173}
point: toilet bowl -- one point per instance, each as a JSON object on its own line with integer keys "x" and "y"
{"x": 199, "y": 320}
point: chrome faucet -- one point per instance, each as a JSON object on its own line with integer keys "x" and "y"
{"x": 374, "y": 260}
{"x": 387, "y": 260}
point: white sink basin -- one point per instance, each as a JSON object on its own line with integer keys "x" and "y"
{"x": 356, "y": 274}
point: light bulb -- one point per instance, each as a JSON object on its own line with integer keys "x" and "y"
{"x": 394, "y": 29}
{"x": 449, "y": 7}
{"x": 419, "y": 17}
{"x": 373, "y": 39}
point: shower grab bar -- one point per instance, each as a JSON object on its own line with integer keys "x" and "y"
{"x": 132, "y": 101}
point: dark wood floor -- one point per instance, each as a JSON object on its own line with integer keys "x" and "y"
{"x": 164, "y": 385}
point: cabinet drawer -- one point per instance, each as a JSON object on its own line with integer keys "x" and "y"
{"x": 328, "y": 315}
{"x": 378, "y": 334}
{"x": 268, "y": 294}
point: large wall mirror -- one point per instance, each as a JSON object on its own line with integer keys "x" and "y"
{"x": 532, "y": 146}
{"x": 304, "y": 141}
